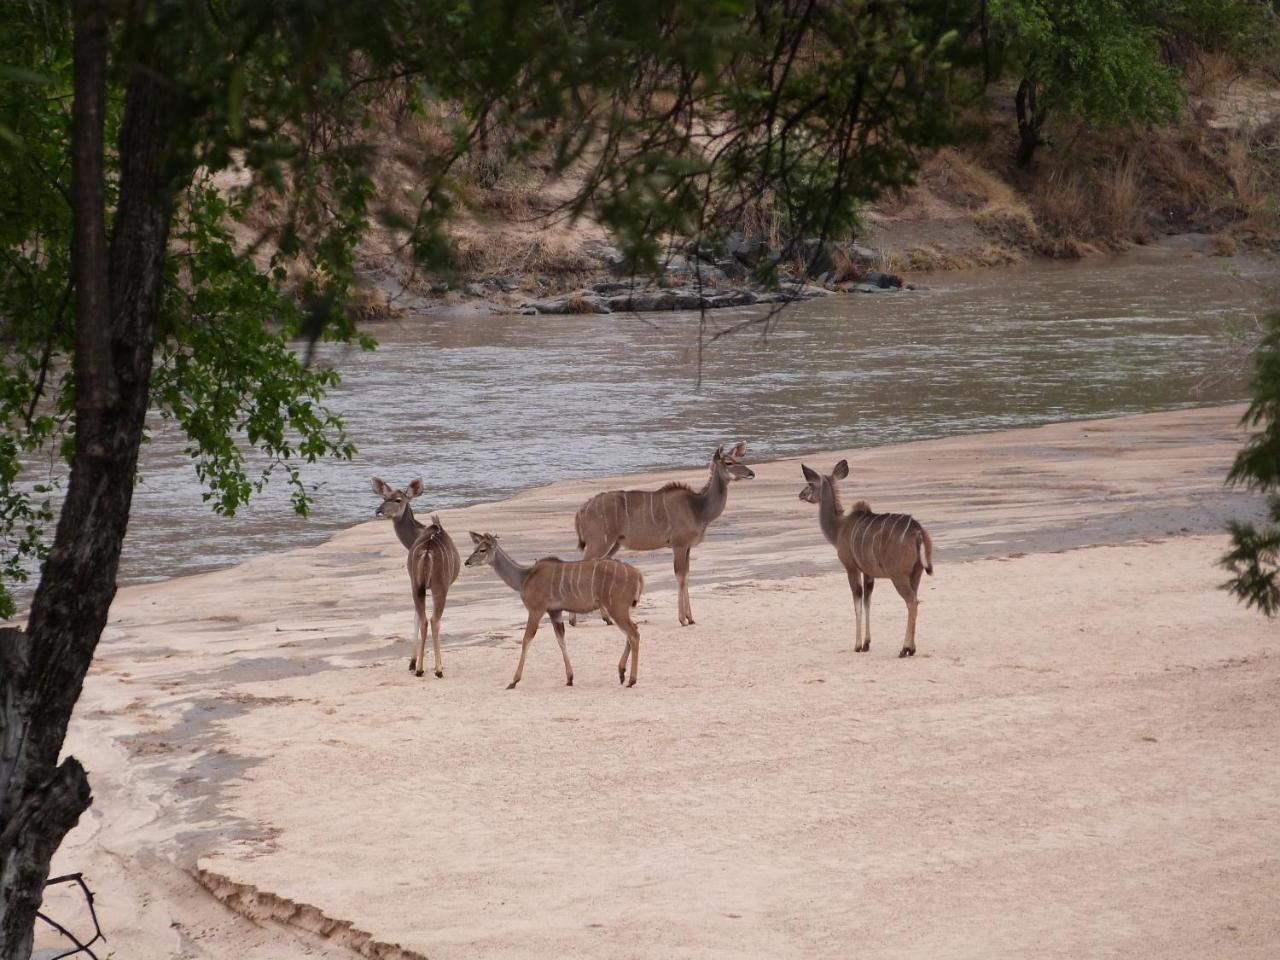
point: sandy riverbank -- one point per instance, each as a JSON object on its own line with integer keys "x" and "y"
{"x": 1081, "y": 761}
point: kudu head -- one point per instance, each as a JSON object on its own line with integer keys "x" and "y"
{"x": 486, "y": 549}
{"x": 395, "y": 502}
{"x": 728, "y": 465}
{"x": 812, "y": 492}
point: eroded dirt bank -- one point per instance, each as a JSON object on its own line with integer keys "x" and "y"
{"x": 1080, "y": 761}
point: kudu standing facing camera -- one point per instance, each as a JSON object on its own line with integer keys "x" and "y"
{"x": 433, "y": 565}
{"x": 872, "y": 546}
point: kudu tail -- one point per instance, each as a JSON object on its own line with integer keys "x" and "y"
{"x": 577, "y": 527}
{"x": 639, "y": 588}
{"x": 924, "y": 547}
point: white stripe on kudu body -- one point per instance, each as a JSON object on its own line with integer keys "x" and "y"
{"x": 553, "y": 586}
{"x": 871, "y": 546}
{"x": 674, "y": 515}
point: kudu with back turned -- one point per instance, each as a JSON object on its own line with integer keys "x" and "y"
{"x": 675, "y": 516}
{"x": 433, "y": 564}
{"x": 872, "y": 546}
{"x": 552, "y": 586}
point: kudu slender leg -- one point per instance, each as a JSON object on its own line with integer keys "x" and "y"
{"x": 622, "y": 663}
{"x": 682, "y": 577}
{"x": 437, "y": 611}
{"x": 530, "y": 629}
{"x": 419, "y": 630}
{"x": 907, "y": 590}
{"x": 855, "y": 588}
{"x": 557, "y": 624}
{"x": 868, "y": 584}
{"x": 623, "y": 617}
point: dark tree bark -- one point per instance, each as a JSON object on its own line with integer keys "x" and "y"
{"x": 117, "y": 299}
{"x": 1031, "y": 115}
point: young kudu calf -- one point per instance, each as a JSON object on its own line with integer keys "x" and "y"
{"x": 433, "y": 563}
{"x": 552, "y": 586}
{"x": 675, "y": 516}
{"x": 871, "y": 546}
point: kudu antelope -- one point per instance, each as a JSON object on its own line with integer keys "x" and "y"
{"x": 871, "y": 546}
{"x": 552, "y": 586}
{"x": 433, "y": 563}
{"x": 675, "y": 516}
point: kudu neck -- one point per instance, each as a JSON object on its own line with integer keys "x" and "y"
{"x": 407, "y": 527}
{"x": 512, "y": 573}
{"x": 829, "y": 511}
{"x": 710, "y": 500}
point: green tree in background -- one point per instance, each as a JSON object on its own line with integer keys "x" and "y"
{"x": 1254, "y": 558}
{"x": 137, "y": 137}
{"x": 1093, "y": 60}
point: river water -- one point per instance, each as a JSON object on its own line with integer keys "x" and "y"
{"x": 482, "y": 408}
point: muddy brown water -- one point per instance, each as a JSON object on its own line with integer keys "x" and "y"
{"x": 484, "y": 407}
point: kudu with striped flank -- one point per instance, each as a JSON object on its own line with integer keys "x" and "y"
{"x": 433, "y": 564}
{"x": 871, "y": 546}
{"x": 675, "y": 516}
{"x": 553, "y": 586}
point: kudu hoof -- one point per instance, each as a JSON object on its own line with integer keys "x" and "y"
{"x": 417, "y": 673}
{"x": 511, "y": 685}
{"x": 631, "y": 683}
{"x": 412, "y": 664}
{"x": 439, "y": 674}
{"x": 569, "y": 682}
{"x": 622, "y": 676}
{"x": 904, "y": 652}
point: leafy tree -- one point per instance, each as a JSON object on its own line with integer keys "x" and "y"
{"x": 1094, "y": 60}
{"x": 128, "y": 286}
{"x": 1254, "y": 558}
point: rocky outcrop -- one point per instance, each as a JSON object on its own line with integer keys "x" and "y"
{"x": 612, "y": 297}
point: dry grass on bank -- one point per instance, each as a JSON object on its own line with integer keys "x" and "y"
{"x": 1216, "y": 172}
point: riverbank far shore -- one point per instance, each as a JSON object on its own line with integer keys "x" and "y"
{"x": 1080, "y": 761}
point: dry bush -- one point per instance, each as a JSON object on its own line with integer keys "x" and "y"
{"x": 1119, "y": 198}
{"x": 1251, "y": 162}
{"x": 1208, "y": 72}
{"x": 760, "y": 218}
{"x": 927, "y": 258}
{"x": 367, "y": 304}
{"x": 580, "y": 305}
{"x": 505, "y": 251}
{"x": 1224, "y": 245}
{"x": 846, "y": 268}
{"x": 958, "y": 180}
{"x": 896, "y": 202}
{"x": 1063, "y": 209}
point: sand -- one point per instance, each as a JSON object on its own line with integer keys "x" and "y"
{"x": 1082, "y": 759}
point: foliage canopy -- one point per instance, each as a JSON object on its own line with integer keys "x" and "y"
{"x": 1254, "y": 558}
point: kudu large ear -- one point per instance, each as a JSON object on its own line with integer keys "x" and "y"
{"x": 841, "y": 470}
{"x": 414, "y": 488}
{"x": 810, "y": 475}
{"x": 380, "y": 487}
{"x": 719, "y": 454}
{"x": 740, "y": 450}
{"x": 475, "y": 537}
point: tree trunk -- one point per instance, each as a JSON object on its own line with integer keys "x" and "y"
{"x": 117, "y": 299}
{"x": 1030, "y": 119}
